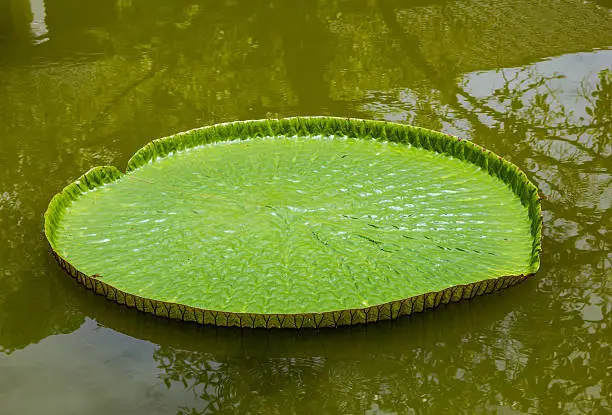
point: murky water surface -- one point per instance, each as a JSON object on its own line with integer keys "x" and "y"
{"x": 88, "y": 83}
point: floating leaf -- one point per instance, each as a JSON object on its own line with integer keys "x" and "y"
{"x": 298, "y": 222}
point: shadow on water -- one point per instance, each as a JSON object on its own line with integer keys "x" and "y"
{"x": 86, "y": 84}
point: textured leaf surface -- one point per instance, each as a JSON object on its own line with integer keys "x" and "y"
{"x": 299, "y": 224}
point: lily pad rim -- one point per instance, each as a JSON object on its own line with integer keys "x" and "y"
{"x": 296, "y": 126}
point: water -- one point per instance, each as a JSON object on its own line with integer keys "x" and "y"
{"x": 88, "y": 83}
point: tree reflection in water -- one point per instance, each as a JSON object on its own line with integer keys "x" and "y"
{"x": 114, "y": 75}
{"x": 564, "y": 151}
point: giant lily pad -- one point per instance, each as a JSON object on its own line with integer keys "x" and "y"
{"x": 302, "y": 222}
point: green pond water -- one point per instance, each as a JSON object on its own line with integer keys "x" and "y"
{"x": 88, "y": 83}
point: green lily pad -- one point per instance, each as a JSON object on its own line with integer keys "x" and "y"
{"x": 302, "y": 222}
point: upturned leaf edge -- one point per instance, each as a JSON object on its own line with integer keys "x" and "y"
{"x": 465, "y": 150}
